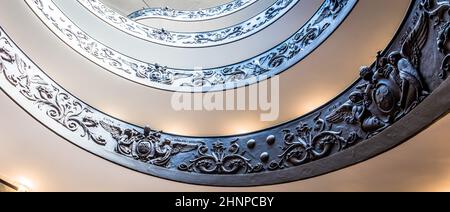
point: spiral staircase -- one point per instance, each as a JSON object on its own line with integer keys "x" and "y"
{"x": 88, "y": 87}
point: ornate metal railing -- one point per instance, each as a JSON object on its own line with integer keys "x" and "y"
{"x": 404, "y": 91}
{"x": 191, "y": 15}
{"x": 190, "y": 39}
{"x": 270, "y": 63}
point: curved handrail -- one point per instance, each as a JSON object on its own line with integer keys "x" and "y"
{"x": 278, "y": 59}
{"x": 191, "y": 15}
{"x": 190, "y": 39}
{"x": 403, "y": 87}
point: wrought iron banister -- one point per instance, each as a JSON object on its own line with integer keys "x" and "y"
{"x": 278, "y": 59}
{"x": 403, "y": 92}
{"x": 191, "y": 15}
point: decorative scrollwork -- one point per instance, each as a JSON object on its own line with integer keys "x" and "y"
{"x": 148, "y": 146}
{"x": 309, "y": 143}
{"x": 49, "y": 99}
{"x": 191, "y": 15}
{"x": 268, "y": 64}
{"x": 443, "y": 42}
{"x": 400, "y": 79}
{"x": 220, "y": 160}
{"x": 391, "y": 89}
{"x": 439, "y": 11}
{"x": 190, "y": 39}
{"x": 75, "y": 116}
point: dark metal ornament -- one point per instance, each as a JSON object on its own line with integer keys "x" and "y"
{"x": 402, "y": 88}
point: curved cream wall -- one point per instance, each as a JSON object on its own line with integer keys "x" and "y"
{"x": 32, "y": 152}
{"x": 311, "y": 83}
{"x": 190, "y": 57}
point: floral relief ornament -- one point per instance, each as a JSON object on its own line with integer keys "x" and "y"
{"x": 387, "y": 91}
{"x": 273, "y": 62}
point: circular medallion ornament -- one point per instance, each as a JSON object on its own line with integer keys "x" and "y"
{"x": 386, "y": 96}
